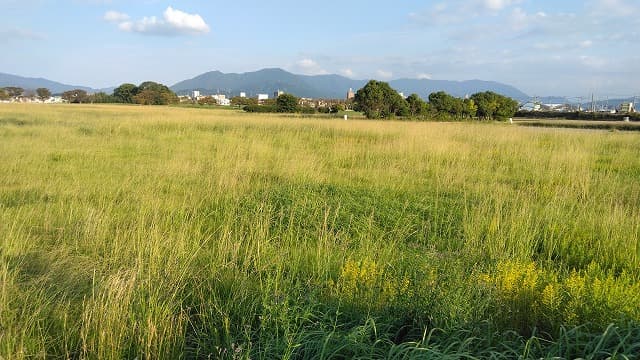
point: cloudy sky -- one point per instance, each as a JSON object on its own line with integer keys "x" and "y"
{"x": 560, "y": 47}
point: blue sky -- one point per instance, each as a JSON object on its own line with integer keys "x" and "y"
{"x": 568, "y": 47}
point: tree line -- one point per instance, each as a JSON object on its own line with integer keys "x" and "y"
{"x": 285, "y": 103}
{"x": 12, "y": 92}
{"x": 147, "y": 93}
{"x": 377, "y": 100}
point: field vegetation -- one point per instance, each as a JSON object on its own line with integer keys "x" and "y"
{"x": 161, "y": 232}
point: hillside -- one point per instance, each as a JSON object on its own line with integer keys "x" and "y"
{"x": 34, "y": 83}
{"x": 328, "y": 86}
{"x": 267, "y": 81}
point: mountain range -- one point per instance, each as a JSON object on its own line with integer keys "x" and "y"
{"x": 268, "y": 81}
{"x": 34, "y": 83}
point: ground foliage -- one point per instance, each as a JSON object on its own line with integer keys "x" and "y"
{"x": 157, "y": 232}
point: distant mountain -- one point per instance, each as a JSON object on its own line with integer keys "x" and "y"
{"x": 455, "y": 88}
{"x": 34, "y": 83}
{"x": 268, "y": 81}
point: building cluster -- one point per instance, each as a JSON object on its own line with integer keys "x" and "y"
{"x": 319, "y": 103}
{"x": 622, "y": 108}
{"x": 222, "y": 99}
{"x": 35, "y": 100}
{"x": 196, "y": 96}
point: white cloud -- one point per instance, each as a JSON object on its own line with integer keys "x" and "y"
{"x": 384, "y": 74}
{"x": 439, "y": 14}
{"x": 309, "y": 66}
{"x": 593, "y": 61}
{"x": 497, "y": 5}
{"x": 185, "y": 22}
{"x": 173, "y": 22}
{"x": 93, "y": 2}
{"x": 586, "y": 44}
{"x": 520, "y": 20}
{"x": 614, "y": 8}
{"x": 114, "y": 16}
{"x": 460, "y": 11}
{"x": 348, "y": 73}
{"x": 14, "y": 34}
{"x": 424, "y": 76}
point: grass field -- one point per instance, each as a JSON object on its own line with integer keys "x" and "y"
{"x": 580, "y": 124}
{"x": 157, "y": 232}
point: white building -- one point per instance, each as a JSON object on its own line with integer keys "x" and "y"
{"x": 222, "y": 100}
{"x": 54, "y": 100}
{"x": 243, "y": 94}
{"x": 263, "y": 97}
{"x": 195, "y": 94}
{"x": 627, "y": 107}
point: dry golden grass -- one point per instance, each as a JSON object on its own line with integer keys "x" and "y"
{"x": 159, "y": 232}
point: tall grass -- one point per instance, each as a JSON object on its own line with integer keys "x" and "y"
{"x": 183, "y": 233}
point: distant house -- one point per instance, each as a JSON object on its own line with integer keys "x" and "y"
{"x": 219, "y": 99}
{"x": 531, "y": 106}
{"x": 55, "y": 100}
{"x": 350, "y": 94}
{"x": 627, "y": 107}
{"x": 307, "y": 102}
{"x": 263, "y": 97}
{"x": 222, "y": 100}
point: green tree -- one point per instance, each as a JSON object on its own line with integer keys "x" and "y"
{"x": 125, "y": 93}
{"x": 308, "y": 110}
{"x": 29, "y": 94}
{"x": 152, "y": 93}
{"x": 470, "y": 109}
{"x": 101, "y": 98}
{"x": 507, "y": 108}
{"x": 377, "y": 100}
{"x": 336, "y": 108}
{"x": 260, "y": 108}
{"x": 287, "y": 103}
{"x": 457, "y": 107}
{"x": 14, "y": 91}
{"x": 43, "y": 93}
{"x": 207, "y": 100}
{"x": 4, "y": 95}
{"x": 76, "y": 96}
{"x": 442, "y": 102}
{"x": 269, "y": 102}
{"x": 243, "y": 101}
{"x": 492, "y": 105}
{"x": 417, "y": 106}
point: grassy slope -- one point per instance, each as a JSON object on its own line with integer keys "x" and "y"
{"x": 167, "y": 232}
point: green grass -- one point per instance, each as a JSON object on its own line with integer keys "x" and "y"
{"x": 611, "y": 125}
{"x": 161, "y": 232}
